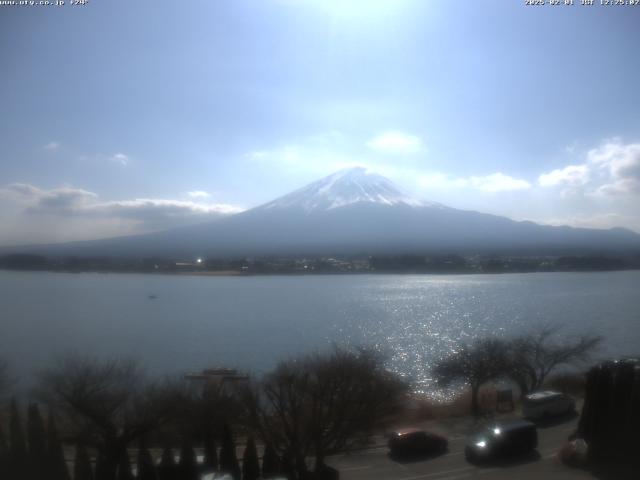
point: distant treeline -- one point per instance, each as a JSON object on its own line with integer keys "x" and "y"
{"x": 295, "y": 265}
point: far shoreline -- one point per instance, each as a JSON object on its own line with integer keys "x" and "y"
{"x": 235, "y": 273}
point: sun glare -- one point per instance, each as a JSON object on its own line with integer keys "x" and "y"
{"x": 360, "y": 10}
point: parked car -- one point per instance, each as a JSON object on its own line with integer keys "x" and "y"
{"x": 545, "y": 404}
{"x": 413, "y": 442}
{"x": 502, "y": 440}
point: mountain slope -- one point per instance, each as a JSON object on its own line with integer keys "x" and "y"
{"x": 355, "y": 211}
{"x": 346, "y": 187}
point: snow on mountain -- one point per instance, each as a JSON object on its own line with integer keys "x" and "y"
{"x": 345, "y": 187}
{"x": 353, "y": 211}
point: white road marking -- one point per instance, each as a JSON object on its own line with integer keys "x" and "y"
{"x": 466, "y": 475}
{"x": 453, "y": 453}
{"x": 351, "y": 469}
{"x": 437, "y": 474}
{"x": 488, "y": 470}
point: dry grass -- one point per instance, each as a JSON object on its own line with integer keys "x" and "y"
{"x": 425, "y": 408}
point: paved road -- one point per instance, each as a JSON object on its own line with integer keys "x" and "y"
{"x": 374, "y": 464}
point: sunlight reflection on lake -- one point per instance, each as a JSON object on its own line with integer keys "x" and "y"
{"x": 252, "y": 322}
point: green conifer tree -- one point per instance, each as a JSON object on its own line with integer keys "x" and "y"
{"x": 82, "y": 464}
{"x": 270, "y": 462}
{"x": 210, "y": 452}
{"x": 55, "y": 453}
{"x": 188, "y": 466}
{"x": 228, "y": 459}
{"x": 102, "y": 471}
{"x": 250, "y": 463}
{"x": 167, "y": 469}
{"x": 146, "y": 467}
{"x": 37, "y": 440}
{"x": 18, "y": 461}
{"x": 287, "y": 469}
{"x": 124, "y": 467}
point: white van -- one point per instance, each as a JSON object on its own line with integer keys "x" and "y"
{"x": 546, "y": 404}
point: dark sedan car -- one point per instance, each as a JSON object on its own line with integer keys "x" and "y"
{"x": 412, "y": 442}
{"x": 502, "y": 440}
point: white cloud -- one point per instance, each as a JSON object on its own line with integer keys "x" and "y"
{"x": 442, "y": 181}
{"x": 66, "y": 206}
{"x": 310, "y": 158}
{"x": 198, "y": 194}
{"x": 601, "y": 220}
{"x": 621, "y": 187}
{"x": 317, "y": 155}
{"x": 286, "y": 155}
{"x": 495, "y": 182}
{"x": 571, "y": 175}
{"x": 63, "y": 199}
{"x": 19, "y": 191}
{"x": 153, "y": 208}
{"x": 35, "y": 199}
{"x": 619, "y": 165}
{"x": 290, "y": 154}
{"x": 499, "y": 182}
{"x": 120, "y": 158}
{"x": 396, "y": 143}
{"x": 612, "y": 169}
{"x": 51, "y": 146}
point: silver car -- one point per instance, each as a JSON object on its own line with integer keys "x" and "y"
{"x": 546, "y": 404}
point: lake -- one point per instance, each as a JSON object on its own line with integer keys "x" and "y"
{"x": 197, "y": 322}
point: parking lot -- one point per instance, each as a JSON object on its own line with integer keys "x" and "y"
{"x": 374, "y": 463}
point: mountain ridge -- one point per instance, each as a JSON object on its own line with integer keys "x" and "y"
{"x": 345, "y": 187}
{"x": 351, "y": 211}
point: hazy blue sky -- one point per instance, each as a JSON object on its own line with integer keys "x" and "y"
{"x": 127, "y": 116}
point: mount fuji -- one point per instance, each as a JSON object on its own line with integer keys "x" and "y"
{"x": 355, "y": 211}
{"x": 346, "y": 187}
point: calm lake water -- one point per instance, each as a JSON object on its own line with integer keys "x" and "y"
{"x": 251, "y": 322}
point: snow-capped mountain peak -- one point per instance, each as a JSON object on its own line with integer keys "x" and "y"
{"x": 345, "y": 187}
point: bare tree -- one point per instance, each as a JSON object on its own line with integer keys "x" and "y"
{"x": 322, "y": 404}
{"x": 202, "y": 410}
{"x": 106, "y": 404}
{"x": 474, "y": 364}
{"x": 534, "y": 356}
